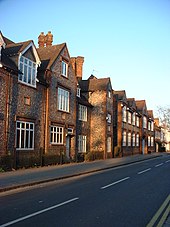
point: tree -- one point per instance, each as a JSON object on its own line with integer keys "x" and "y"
{"x": 164, "y": 116}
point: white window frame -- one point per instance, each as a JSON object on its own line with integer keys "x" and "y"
{"x": 109, "y": 118}
{"x": 133, "y": 139}
{"x": 129, "y": 117}
{"x": 63, "y": 99}
{"x": 64, "y": 68}
{"x": 29, "y": 71}
{"x": 24, "y": 135}
{"x": 82, "y": 144}
{"x": 149, "y": 125}
{"x": 82, "y": 112}
{"x": 129, "y": 139}
{"x": 56, "y": 135}
{"x": 149, "y": 141}
{"x": 152, "y": 126}
{"x": 144, "y": 122}
{"x": 133, "y": 118}
{"x": 109, "y": 94}
{"x": 137, "y": 140}
{"x": 152, "y": 141}
{"x": 124, "y": 139}
{"x": 124, "y": 114}
{"x": 137, "y": 121}
{"x": 78, "y": 92}
{"x": 109, "y": 144}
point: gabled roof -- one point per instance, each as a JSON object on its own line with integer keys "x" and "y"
{"x": 94, "y": 84}
{"x": 121, "y": 94}
{"x": 13, "y": 49}
{"x": 49, "y": 54}
{"x": 6, "y": 40}
{"x": 131, "y": 103}
{"x": 141, "y": 106}
{"x": 150, "y": 113}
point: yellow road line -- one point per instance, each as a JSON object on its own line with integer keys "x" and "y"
{"x": 165, "y": 215}
{"x": 159, "y": 212}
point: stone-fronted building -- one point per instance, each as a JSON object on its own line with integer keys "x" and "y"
{"x": 98, "y": 92}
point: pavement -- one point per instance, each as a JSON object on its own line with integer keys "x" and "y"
{"x": 38, "y": 175}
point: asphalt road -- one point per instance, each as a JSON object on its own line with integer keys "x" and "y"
{"x": 123, "y": 196}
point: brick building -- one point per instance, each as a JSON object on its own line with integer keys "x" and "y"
{"x": 126, "y": 124}
{"x": 49, "y": 114}
{"x": 133, "y": 125}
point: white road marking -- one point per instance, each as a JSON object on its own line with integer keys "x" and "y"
{"x": 37, "y": 213}
{"x": 159, "y": 165}
{"x": 144, "y": 171}
{"x": 116, "y": 182}
{"x": 167, "y": 161}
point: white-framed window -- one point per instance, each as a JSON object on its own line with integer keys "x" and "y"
{"x": 129, "y": 139}
{"x": 144, "y": 122}
{"x": 149, "y": 125}
{"x": 109, "y": 118}
{"x": 124, "y": 114}
{"x": 109, "y": 94}
{"x": 137, "y": 140}
{"x": 82, "y": 144}
{"x": 63, "y": 100}
{"x": 124, "y": 139}
{"x": 56, "y": 134}
{"x": 133, "y": 139}
{"x": 78, "y": 92}
{"x": 133, "y": 118}
{"x": 152, "y": 126}
{"x": 109, "y": 144}
{"x": 82, "y": 113}
{"x": 137, "y": 121}
{"x": 64, "y": 69}
{"x": 24, "y": 135}
{"x": 149, "y": 141}
{"x": 29, "y": 71}
{"x": 129, "y": 117}
{"x": 152, "y": 141}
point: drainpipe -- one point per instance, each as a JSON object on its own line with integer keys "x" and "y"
{"x": 46, "y": 116}
{"x": 7, "y": 112}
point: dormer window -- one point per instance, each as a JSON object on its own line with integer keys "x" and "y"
{"x": 64, "y": 69}
{"x": 29, "y": 71}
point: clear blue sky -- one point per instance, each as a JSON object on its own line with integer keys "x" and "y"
{"x": 126, "y": 40}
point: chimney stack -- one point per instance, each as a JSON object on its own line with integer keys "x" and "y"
{"x": 41, "y": 39}
{"x": 49, "y": 39}
{"x": 77, "y": 64}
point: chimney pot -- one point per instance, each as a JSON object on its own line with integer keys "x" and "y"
{"x": 49, "y": 39}
{"x": 41, "y": 39}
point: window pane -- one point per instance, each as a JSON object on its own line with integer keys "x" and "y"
{"x": 27, "y": 140}
{"x": 18, "y": 139}
{"x": 31, "y": 139}
{"x": 22, "y": 138}
{"x": 29, "y": 71}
